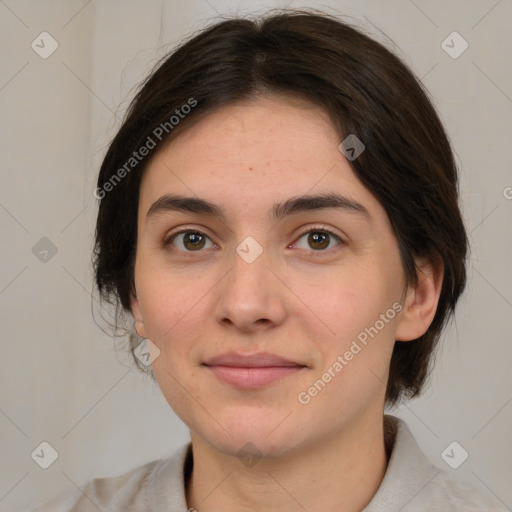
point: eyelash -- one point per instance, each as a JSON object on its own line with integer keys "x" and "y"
{"x": 168, "y": 240}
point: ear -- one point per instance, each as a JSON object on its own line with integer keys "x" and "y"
{"x": 421, "y": 301}
{"x": 139, "y": 320}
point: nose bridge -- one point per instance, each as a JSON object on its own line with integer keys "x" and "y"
{"x": 250, "y": 291}
{"x": 250, "y": 265}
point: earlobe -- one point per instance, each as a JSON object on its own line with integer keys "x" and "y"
{"x": 139, "y": 322}
{"x": 139, "y": 327}
{"x": 421, "y": 301}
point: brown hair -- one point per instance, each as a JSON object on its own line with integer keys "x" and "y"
{"x": 407, "y": 165}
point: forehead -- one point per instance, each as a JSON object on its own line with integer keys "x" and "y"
{"x": 241, "y": 132}
{"x": 249, "y": 155}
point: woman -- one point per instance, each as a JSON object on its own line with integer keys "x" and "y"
{"x": 279, "y": 213}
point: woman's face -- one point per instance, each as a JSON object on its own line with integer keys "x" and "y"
{"x": 307, "y": 284}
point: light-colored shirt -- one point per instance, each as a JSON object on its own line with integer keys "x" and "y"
{"x": 411, "y": 484}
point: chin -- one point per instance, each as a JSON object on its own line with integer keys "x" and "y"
{"x": 244, "y": 447}
{"x": 253, "y": 435}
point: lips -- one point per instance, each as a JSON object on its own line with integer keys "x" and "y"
{"x": 250, "y": 361}
{"x": 252, "y": 371}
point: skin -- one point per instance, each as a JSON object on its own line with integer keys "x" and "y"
{"x": 295, "y": 300}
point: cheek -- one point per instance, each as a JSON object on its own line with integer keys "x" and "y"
{"x": 357, "y": 310}
{"x": 346, "y": 300}
{"x": 174, "y": 306}
{"x": 175, "y": 312}
{"x": 354, "y": 362}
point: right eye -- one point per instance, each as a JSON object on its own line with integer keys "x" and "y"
{"x": 188, "y": 240}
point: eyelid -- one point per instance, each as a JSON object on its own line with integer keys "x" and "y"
{"x": 323, "y": 229}
{"x": 186, "y": 229}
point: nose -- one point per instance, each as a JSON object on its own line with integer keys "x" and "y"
{"x": 252, "y": 296}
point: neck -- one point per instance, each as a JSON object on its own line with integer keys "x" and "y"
{"x": 342, "y": 472}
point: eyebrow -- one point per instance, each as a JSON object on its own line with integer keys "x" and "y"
{"x": 292, "y": 206}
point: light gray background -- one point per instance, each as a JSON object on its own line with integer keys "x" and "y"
{"x": 61, "y": 380}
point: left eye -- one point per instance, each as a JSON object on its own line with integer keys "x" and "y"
{"x": 319, "y": 239}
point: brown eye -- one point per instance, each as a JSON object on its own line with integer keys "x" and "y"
{"x": 189, "y": 241}
{"x": 319, "y": 240}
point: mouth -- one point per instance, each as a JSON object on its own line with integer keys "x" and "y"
{"x": 252, "y": 371}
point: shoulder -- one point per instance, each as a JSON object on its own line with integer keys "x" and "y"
{"x": 134, "y": 490}
{"x": 100, "y": 493}
{"x": 460, "y": 495}
{"x": 413, "y": 484}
